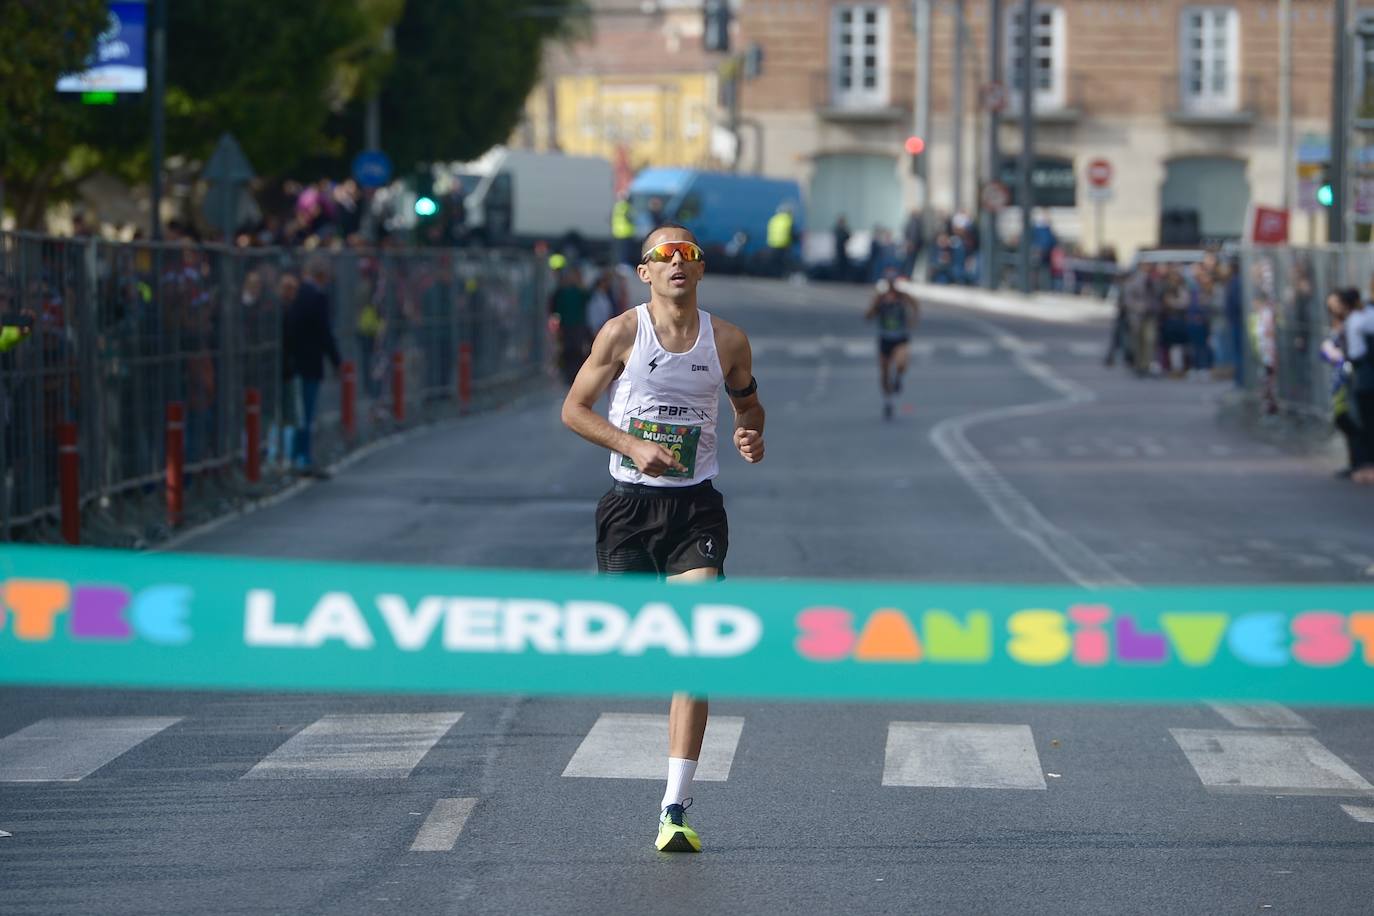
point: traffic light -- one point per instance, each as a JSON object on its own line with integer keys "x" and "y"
{"x": 426, "y": 201}
{"x": 715, "y": 25}
{"x": 1326, "y": 195}
{"x": 915, "y": 146}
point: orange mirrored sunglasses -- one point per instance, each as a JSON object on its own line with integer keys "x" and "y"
{"x": 664, "y": 252}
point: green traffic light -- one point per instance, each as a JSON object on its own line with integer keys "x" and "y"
{"x": 425, "y": 206}
{"x": 1325, "y": 196}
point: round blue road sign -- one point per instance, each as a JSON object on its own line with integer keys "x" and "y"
{"x": 371, "y": 168}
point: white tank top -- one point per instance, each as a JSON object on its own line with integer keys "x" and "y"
{"x": 671, "y": 399}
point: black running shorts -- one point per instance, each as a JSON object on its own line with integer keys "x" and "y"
{"x": 887, "y": 344}
{"x": 661, "y": 530}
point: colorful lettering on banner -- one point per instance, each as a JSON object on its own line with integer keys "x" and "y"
{"x": 71, "y": 616}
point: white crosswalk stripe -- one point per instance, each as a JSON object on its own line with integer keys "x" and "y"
{"x": 67, "y": 750}
{"x": 1360, "y": 813}
{"x": 857, "y": 348}
{"x": 1284, "y": 764}
{"x": 381, "y": 746}
{"x": 1260, "y": 715}
{"x": 635, "y": 746}
{"x": 445, "y": 823}
{"x": 961, "y": 755}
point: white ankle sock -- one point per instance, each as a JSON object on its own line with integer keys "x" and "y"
{"x": 680, "y": 773}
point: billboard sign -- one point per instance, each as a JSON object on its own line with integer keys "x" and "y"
{"x": 119, "y": 61}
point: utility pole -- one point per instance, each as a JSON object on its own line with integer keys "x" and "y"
{"x": 1335, "y": 221}
{"x": 158, "y": 106}
{"x": 992, "y": 166}
{"x": 1286, "y": 101}
{"x": 1024, "y": 189}
{"x": 957, "y": 104}
{"x": 921, "y": 128}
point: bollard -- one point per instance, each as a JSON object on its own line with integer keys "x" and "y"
{"x": 68, "y": 469}
{"x": 465, "y": 376}
{"x": 176, "y": 460}
{"x": 348, "y": 395}
{"x": 398, "y": 386}
{"x": 252, "y": 428}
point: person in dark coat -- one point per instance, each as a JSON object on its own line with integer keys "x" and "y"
{"x": 309, "y": 339}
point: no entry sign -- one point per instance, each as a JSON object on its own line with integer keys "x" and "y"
{"x": 1100, "y": 173}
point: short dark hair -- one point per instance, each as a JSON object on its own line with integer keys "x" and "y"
{"x": 660, "y": 227}
{"x": 1350, "y": 298}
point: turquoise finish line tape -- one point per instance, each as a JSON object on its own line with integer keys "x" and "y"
{"x": 92, "y": 617}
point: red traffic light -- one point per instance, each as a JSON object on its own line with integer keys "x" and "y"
{"x": 915, "y": 145}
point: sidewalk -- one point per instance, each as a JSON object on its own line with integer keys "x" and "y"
{"x": 1057, "y": 308}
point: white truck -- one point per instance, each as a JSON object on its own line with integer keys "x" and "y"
{"x": 520, "y": 197}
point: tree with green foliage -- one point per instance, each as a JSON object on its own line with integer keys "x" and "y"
{"x": 461, "y": 74}
{"x": 35, "y": 122}
{"x": 289, "y": 80}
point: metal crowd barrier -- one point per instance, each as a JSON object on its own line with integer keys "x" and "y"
{"x": 162, "y": 364}
{"x": 1285, "y": 290}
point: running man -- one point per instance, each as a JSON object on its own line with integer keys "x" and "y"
{"x": 897, "y": 314}
{"x": 668, "y": 360}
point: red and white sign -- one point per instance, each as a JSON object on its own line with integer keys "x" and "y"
{"x": 1100, "y": 173}
{"x": 1268, "y": 225}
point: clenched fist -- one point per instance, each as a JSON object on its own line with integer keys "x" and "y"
{"x": 750, "y": 444}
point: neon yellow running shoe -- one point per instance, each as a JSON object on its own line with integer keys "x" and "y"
{"x": 673, "y": 833}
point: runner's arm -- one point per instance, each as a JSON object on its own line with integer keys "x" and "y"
{"x": 607, "y": 360}
{"x": 737, "y": 362}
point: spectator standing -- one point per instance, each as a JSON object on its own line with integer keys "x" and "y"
{"x": 1043, "y": 243}
{"x": 841, "y": 234}
{"x": 1359, "y": 342}
{"x": 569, "y": 303}
{"x": 623, "y": 231}
{"x": 309, "y": 340}
{"x": 1339, "y": 305}
{"x": 780, "y": 240}
{"x": 914, "y": 240}
{"x": 600, "y": 303}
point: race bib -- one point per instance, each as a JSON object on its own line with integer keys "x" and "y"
{"x": 680, "y": 440}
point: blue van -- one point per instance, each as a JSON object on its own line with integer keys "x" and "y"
{"x": 727, "y": 213}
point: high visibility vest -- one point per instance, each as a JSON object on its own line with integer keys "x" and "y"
{"x": 621, "y": 226}
{"x": 9, "y": 337}
{"x": 780, "y": 230}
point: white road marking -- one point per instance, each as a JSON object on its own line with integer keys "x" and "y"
{"x": 859, "y": 349}
{"x": 441, "y": 829}
{"x": 66, "y": 750}
{"x": 960, "y": 755}
{"x": 1363, "y": 815}
{"x": 1228, "y": 761}
{"x": 1313, "y": 561}
{"x": 1084, "y": 348}
{"x": 921, "y": 348}
{"x": 804, "y": 349}
{"x": 1079, "y": 563}
{"x": 377, "y": 746}
{"x": 1260, "y": 715}
{"x": 635, "y": 746}
{"x": 1234, "y": 559}
{"x": 973, "y": 348}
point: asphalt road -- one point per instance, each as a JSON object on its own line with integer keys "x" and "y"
{"x": 1015, "y": 456}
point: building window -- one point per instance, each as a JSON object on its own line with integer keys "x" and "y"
{"x": 859, "y": 56}
{"x": 1047, "y": 56}
{"x": 1209, "y": 59}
